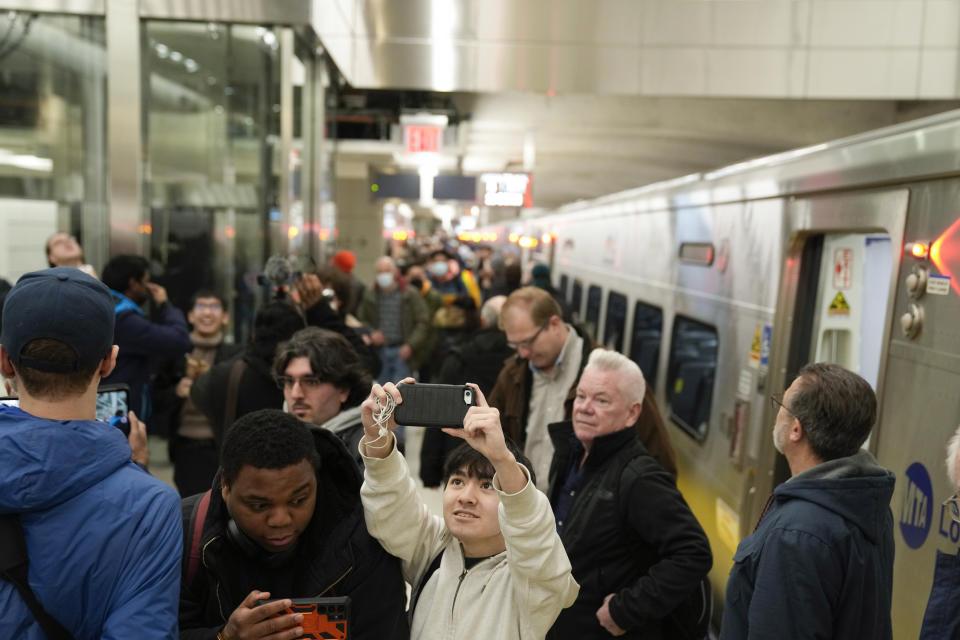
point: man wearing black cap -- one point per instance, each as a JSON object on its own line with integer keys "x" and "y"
{"x": 103, "y": 538}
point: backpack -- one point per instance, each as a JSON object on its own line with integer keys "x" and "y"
{"x": 13, "y": 568}
{"x": 194, "y": 528}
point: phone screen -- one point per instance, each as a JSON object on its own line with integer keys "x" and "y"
{"x": 12, "y": 402}
{"x": 112, "y": 407}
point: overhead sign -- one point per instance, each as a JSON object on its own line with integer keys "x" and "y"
{"x": 423, "y": 138}
{"x": 507, "y": 189}
{"x": 423, "y": 133}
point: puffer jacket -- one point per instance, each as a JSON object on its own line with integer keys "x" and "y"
{"x": 820, "y": 562}
{"x": 103, "y": 536}
{"x": 628, "y": 532}
{"x": 511, "y": 395}
{"x": 335, "y": 557}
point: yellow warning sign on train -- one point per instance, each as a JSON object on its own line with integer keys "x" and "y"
{"x": 839, "y": 306}
{"x": 756, "y": 348}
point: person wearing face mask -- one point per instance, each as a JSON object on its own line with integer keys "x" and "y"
{"x": 399, "y": 318}
{"x": 417, "y": 280}
{"x": 450, "y": 280}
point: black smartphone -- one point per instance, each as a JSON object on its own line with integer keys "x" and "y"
{"x": 434, "y": 405}
{"x": 113, "y": 403}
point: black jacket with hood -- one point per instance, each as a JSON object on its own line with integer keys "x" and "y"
{"x": 820, "y": 562}
{"x": 335, "y": 556}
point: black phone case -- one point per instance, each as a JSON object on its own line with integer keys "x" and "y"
{"x": 433, "y": 405}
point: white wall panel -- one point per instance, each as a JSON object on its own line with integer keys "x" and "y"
{"x": 879, "y": 73}
{"x": 677, "y": 22}
{"x": 938, "y": 73}
{"x": 736, "y": 23}
{"x": 673, "y": 71}
{"x": 941, "y": 24}
{"x": 760, "y": 72}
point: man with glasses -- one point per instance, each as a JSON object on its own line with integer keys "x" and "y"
{"x": 323, "y": 382}
{"x": 193, "y": 449}
{"x": 819, "y": 563}
{"x": 536, "y": 386}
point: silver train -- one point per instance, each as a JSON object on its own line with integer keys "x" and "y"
{"x": 722, "y": 285}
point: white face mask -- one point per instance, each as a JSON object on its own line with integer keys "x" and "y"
{"x": 439, "y": 269}
{"x": 384, "y": 280}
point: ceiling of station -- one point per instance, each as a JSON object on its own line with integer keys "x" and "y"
{"x": 586, "y": 146}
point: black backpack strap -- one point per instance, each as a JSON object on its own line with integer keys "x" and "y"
{"x": 13, "y": 568}
{"x": 415, "y": 595}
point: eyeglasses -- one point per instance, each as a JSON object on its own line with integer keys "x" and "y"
{"x": 203, "y": 306}
{"x": 526, "y": 344}
{"x": 306, "y": 382}
{"x": 777, "y": 403}
{"x": 953, "y": 507}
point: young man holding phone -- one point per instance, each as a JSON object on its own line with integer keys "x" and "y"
{"x": 493, "y": 565}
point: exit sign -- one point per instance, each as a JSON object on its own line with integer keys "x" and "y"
{"x": 423, "y": 138}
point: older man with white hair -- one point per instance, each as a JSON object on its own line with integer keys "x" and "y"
{"x": 637, "y": 550}
{"x": 399, "y": 318}
{"x": 940, "y": 620}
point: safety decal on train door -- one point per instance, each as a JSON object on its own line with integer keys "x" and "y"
{"x": 916, "y": 512}
{"x": 839, "y": 306}
{"x": 842, "y": 269}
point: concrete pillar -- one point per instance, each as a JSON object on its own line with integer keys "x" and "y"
{"x": 359, "y": 221}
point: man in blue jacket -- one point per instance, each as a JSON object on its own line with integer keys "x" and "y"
{"x": 103, "y": 537}
{"x": 140, "y": 338}
{"x": 820, "y": 562}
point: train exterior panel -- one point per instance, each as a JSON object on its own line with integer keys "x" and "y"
{"x": 722, "y": 285}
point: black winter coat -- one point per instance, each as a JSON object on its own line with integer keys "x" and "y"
{"x": 478, "y": 359}
{"x": 336, "y": 556}
{"x": 629, "y": 532}
{"x": 257, "y": 390}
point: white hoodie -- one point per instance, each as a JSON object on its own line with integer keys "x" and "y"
{"x": 517, "y": 593}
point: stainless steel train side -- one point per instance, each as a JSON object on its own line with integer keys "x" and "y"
{"x": 759, "y": 268}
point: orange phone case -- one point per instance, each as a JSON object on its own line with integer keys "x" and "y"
{"x": 323, "y": 618}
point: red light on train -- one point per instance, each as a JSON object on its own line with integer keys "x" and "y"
{"x": 945, "y": 253}
{"x": 918, "y": 250}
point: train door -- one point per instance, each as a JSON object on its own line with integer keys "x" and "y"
{"x": 836, "y": 299}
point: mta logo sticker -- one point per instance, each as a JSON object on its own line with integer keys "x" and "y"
{"x": 916, "y": 513}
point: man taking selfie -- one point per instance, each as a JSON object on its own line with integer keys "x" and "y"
{"x": 493, "y": 566}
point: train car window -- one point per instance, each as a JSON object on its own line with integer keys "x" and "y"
{"x": 690, "y": 375}
{"x": 575, "y": 299}
{"x": 564, "y": 286}
{"x": 645, "y": 340}
{"x": 592, "y": 320}
{"x": 615, "y": 321}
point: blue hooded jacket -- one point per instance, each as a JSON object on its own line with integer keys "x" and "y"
{"x": 820, "y": 563}
{"x": 104, "y": 537}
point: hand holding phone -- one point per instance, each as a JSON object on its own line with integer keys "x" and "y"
{"x": 434, "y": 405}
{"x": 253, "y": 619}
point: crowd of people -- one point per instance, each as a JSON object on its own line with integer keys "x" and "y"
{"x": 561, "y": 517}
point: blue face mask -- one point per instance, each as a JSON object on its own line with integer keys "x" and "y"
{"x": 439, "y": 269}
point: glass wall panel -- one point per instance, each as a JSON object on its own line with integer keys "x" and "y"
{"x": 52, "y": 137}
{"x": 212, "y": 119}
